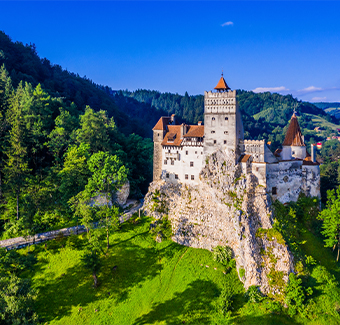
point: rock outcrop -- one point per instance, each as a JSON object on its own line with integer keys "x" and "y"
{"x": 226, "y": 208}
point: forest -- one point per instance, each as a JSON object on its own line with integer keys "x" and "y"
{"x": 63, "y": 137}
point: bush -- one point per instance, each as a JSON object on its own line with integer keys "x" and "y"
{"x": 162, "y": 228}
{"x": 253, "y": 294}
{"x": 222, "y": 254}
{"x": 296, "y": 296}
{"x": 225, "y": 300}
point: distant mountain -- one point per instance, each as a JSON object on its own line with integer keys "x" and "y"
{"x": 330, "y": 108}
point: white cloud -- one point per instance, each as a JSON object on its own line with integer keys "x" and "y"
{"x": 270, "y": 89}
{"x": 228, "y": 23}
{"x": 310, "y": 89}
{"x": 319, "y": 99}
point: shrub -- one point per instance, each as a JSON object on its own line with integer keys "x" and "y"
{"x": 225, "y": 300}
{"x": 222, "y": 254}
{"x": 253, "y": 294}
{"x": 296, "y": 296}
{"x": 242, "y": 272}
{"x": 162, "y": 227}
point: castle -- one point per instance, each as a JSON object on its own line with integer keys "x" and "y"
{"x": 180, "y": 151}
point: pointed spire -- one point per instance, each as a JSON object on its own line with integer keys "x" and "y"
{"x": 222, "y": 85}
{"x": 293, "y": 136}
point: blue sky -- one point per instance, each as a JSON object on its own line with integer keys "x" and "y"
{"x": 286, "y": 47}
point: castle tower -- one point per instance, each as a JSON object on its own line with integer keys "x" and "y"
{"x": 223, "y": 128}
{"x": 293, "y": 146}
{"x": 159, "y": 132}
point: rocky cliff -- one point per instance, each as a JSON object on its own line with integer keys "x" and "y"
{"x": 226, "y": 208}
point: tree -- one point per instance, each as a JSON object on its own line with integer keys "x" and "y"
{"x": 91, "y": 261}
{"x": 108, "y": 176}
{"x": 16, "y": 301}
{"x": 331, "y": 220}
{"x": 16, "y": 168}
{"x": 94, "y": 130}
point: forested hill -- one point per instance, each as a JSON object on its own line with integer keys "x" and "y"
{"x": 23, "y": 64}
{"x": 265, "y": 115}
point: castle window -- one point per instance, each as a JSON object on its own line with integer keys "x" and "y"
{"x": 191, "y": 164}
{"x": 176, "y": 176}
{"x": 226, "y": 118}
{"x": 195, "y": 152}
{"x": 225, "y": 141}
{"x": 167, "y": 175}
{"x": 201, "y": 152}
{"x": 158, "y": 134}
{"x": 213, "y": 118}
{"x": 256, "y": 169}
{"x": 169, "y": 151}
{"x": 187, "y": 152}
{"x": 274, "y": 191}
{"x": 172, "y": 162}
{"x": 212, "y": 131}
{"x": 165, "y": 162}
{"x": 186, "y": 176}
{"x": 225, "y": 132}
{"x": 192, "y": 177}
{"x": 214, "y": 141}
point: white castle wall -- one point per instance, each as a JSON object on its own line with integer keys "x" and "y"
{"x": 182, "y": 157}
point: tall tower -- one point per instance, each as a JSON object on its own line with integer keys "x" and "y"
{"x": 223, "y": 128}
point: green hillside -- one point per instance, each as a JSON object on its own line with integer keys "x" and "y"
{"x": 145, "y": 282}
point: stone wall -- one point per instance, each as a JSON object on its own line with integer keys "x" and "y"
{"x": 225, "y": 208}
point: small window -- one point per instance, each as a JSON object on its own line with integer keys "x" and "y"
{"x": 187, "y": 152}
{"x": 186, "y": 176}
{"x": 172, "y": 162}
{"x": 158, "y": 134}
{"x": 274, "y": 191}
{"x": 176, "y": 176}
{"x": 169, "y": 151}
{"x": 201, "y": 152}
{"x": 165, "y": 162}
{"x": 192, "y": 177}
{"x": 225, "y": 141}
{"x": 214, "y": 141}
{"x": 212, "y": 131}
{"x": 191, "y": 164}
{"x": 226, "y": 118}
{"x": 225, "y": 132}
{"x": 256, "y": 169}
{"x": 213, "y": 119}
{"x": 167, "y": 175}
{"x": 195, "y": 152}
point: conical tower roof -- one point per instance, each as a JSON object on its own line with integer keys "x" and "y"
{"x": 222, "y": 85}
{"x": 293, "y": 136}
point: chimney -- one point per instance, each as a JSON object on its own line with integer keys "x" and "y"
{"x": 172, "y": 119}
{"x": 199, "y": 123}
{"x": 183, "y": 130}
{"x": 313, "y": 152}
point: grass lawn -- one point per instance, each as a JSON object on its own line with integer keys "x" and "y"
{"x": 154, "y": 283}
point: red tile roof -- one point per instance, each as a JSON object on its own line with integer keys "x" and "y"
{"x": 174, "y": 130}
{"x": 293, "y": 135}
{"x": 195, "y": 131}
{"x": 245, "y": 158}
{"x": 162, "y": 123}
{"x": 222, "y": 85}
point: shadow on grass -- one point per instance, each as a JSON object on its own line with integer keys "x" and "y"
{"x": 187, "y": 307}
{"x": 123, "y": 268}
